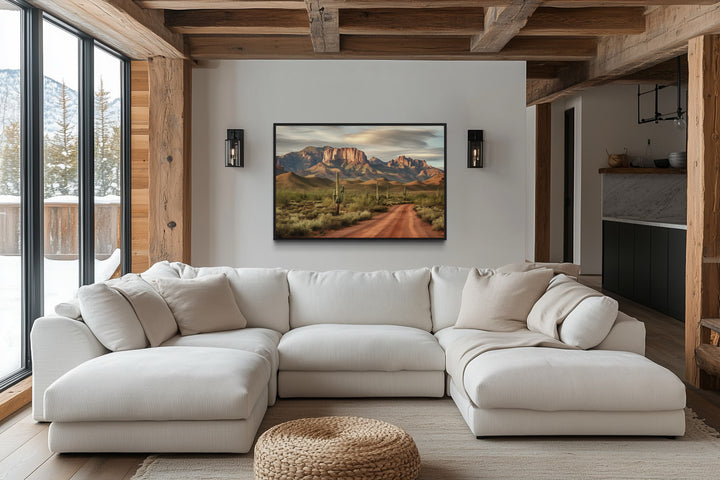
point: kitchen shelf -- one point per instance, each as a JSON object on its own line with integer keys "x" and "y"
{"x": 645, "y": 171}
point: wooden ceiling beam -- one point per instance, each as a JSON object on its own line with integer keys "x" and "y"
{"x": 324, "y": 26}
{"x": 239, "y": 22}
{"x": 407, "y": 4}
{"x": 396, "y": 21}
{"x": 577, "y": 22}
{"x": 121, "y": 24}
{"x": 667, "y": 33}
{"x": 591, "y": 22}
{"x": 545, "y": 70}
{"x": 387, "y": 47}
{"x": 502, "y": 24}
{"x": 664, "y": 73}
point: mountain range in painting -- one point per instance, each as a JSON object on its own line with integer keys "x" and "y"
{"x": 353, "y": 164}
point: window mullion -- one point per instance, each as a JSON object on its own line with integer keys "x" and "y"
{"x": 32, "y": 177}
{"x": 86, "y": 153}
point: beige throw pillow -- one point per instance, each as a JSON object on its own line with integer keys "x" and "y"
{"x": 111, "y": 318}
{"x": 500, "y": 302}
{"x": 153, "y": 313}
{"x": 563, "y": 295}
{"x": 201, "y": 305}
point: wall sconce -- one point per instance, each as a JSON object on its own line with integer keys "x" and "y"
{"x": 475, "y": 149}
{"x": 234, "y": 141}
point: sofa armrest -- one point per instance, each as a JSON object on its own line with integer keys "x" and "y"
{"x": 626, "y": 335}
{"x": 58, "y": 345}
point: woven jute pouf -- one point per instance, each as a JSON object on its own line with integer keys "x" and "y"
{"x": 347, "y": 448}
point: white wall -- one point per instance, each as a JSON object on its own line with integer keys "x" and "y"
{"x": 232, "y": 208}
{"x": 606, "y": 119}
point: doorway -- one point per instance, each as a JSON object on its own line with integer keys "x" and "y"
{"x": 569, "y": 186}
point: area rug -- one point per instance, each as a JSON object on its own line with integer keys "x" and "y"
{"x": 449, "y": 451}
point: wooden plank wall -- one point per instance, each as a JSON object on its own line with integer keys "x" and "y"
{"x": 139, "y": 137}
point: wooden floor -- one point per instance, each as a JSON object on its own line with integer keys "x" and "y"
{"x": 23, "y": 443}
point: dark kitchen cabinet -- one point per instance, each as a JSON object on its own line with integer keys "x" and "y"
{"x": 645, "y": 264}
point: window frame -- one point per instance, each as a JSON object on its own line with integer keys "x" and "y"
{"x": 32, "y": 169}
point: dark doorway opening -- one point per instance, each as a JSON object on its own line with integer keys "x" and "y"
{"x": 569, "y": 185}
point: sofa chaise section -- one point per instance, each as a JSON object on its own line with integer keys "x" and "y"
{"x": 159, "y": 400}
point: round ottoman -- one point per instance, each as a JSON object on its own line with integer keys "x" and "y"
{"x": 349, "y": 448}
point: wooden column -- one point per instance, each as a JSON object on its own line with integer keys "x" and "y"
{"x": 703, "y": 212}
{"x": 139, "y": 146}
{"x": 169, "y": 159}
{"x": 542, "y": 181}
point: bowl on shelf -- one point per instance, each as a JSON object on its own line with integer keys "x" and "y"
{"x": 678, "y": 159}
{"x": 661, "y": 163}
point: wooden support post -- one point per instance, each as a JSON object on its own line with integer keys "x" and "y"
{"x": 169, "y": 159}
{"x": 703, "y": 210}
{"x": 542, "y": 182}
{"x": 324, "y": 26}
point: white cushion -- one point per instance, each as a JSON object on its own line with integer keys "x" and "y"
{"x": 111, "y": 318}
{"x": 261, "y": 341}
{"x": 261, "y": 293}
{"x": 70, "y": 309}
{"x": 446, "y": 288}
{"x": 201, "y": 305}
{"x": 384, "y": 348}
{"x": 549, "y": 379}
{"x": 589, "y": 323}
{"x": 151, "y": 310}
{"x": 500, "y": 302}
{"x": 173, "y": 383}
{"x": 370, "y": 298}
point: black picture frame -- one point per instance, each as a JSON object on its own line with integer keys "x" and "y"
{"x": 305, "y": 199}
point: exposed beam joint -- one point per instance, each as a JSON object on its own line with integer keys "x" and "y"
{"x": 324, "y": 26}
{"x": 122, "y": 24}
{"x": 502, "y": 24}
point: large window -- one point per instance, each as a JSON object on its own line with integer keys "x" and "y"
{"x": 63, "y": 171}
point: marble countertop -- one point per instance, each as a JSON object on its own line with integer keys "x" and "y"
{"x": 645, "y": 222}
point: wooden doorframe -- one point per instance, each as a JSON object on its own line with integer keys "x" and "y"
{"x": 702, "y": 306}
{"x": 543, "y": 158}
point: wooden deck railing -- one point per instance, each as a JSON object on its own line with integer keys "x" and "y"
{"x": 62, "y": 230}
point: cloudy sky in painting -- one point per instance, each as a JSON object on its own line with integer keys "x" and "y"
{"x": 424, "y": 142}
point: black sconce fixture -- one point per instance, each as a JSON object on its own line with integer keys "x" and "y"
{"x": 234, "y": 141}
{"x": 475, "y": 149}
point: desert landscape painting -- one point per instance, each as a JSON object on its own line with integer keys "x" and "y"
{"x": 380, "y": 181}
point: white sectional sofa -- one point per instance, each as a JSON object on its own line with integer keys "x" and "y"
{"x": 333, "y": 334}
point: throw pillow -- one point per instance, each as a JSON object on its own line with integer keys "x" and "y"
{"x": 153, "y": 313}
{"x": 201, "y": 305}
{"x": 111, "y": 318}
{"x": 589, "y": 323}
{"x": 70, "y": 309}
{"x": 569, "y": 269}
{"x": 500, "y": 302}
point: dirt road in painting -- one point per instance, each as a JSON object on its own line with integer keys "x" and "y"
{"x": 400, "y": 221}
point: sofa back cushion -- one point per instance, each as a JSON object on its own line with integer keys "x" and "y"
{"x": 260, "y": 293}
{"x": 446, "y": 289}
{"x": 201, "y": 305}
{"x": 360, "y": 298}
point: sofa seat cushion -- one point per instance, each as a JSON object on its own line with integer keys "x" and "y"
{"x": 170, "y": 383}
{"x": 549, "y": 379}
{"x": 360, "y": 348}
{"x": 262, "y": 341}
